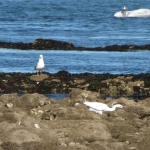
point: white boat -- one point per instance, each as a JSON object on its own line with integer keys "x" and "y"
{"x": 134, "y": 13}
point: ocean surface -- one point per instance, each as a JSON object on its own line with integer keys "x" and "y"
{"x": 87, "y": 23}
{"x": 76, "y": 61}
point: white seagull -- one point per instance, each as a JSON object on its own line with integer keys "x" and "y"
{"x": 100, "y": 107}
{"x": 40, "y": 65}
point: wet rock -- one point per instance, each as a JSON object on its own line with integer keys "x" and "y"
{"x": 123, "y": 86}
{"x": 52, "y": 44}
{"x": 40, "y": 77}
{"x": 137, "y": 86}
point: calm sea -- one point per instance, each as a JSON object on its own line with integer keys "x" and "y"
{"x": 88, "y": 23}
{"x": 76, "y": 61}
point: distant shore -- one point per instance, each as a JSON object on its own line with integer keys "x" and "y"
{"x": 48, "y": 44}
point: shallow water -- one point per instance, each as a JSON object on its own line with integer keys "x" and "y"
{"x": 76, "y": 61}
{"x": 55, "y": 96}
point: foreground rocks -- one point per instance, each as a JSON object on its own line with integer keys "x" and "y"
{"x": 48, "y": 44}
{"x": 34, "y": 121}
{"x": 114, "y": 86}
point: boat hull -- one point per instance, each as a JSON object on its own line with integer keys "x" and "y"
{"x": 135, "y": 13}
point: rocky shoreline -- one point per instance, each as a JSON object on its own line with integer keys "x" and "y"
{"x": 48, "y": 44}
{"x": 108, "y": 85}
{"x": 34, "y": 121}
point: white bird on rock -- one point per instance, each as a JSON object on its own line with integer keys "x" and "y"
{"x": 100, "y": 107}
{"x": 40, "y": 65}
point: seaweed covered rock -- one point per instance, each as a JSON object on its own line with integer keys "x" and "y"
{"x": 52, "y": 44}
{"x": 49, "y": 44}
{"x": 114, "y": 86}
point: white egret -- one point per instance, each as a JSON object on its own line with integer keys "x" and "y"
{"x": 40, "y": 65}
{"x": 100, "y": 107}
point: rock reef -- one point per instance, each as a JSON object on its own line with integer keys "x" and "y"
{"x": 34, "y": 121}
{"x": 108, "y": 85}
{"x": 48, "y": 44}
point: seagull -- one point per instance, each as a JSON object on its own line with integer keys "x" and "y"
{"x": 40, "y": 65}
{"x": 100, "y": 107}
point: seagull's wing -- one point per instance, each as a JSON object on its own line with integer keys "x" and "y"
{"x": 36, "y": 65}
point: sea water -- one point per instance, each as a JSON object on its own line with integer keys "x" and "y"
{"x": 88, "y": 23}
{"x": 24, "y": 61}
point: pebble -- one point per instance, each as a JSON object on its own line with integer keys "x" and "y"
{"x": 42, "y": 103}
{"x": 36, "y": 125}
{"x": 9, "y": 105}
{"x": 133, "y": 148}
{"x": 77, "y": 104}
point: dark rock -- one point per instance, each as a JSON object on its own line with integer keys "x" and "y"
{"x": 137, "y": 86}
{"x": 52, "y": 44}
{"x": 48, "y": 44}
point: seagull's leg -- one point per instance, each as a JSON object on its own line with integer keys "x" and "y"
{"x": 37, "y": 73}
